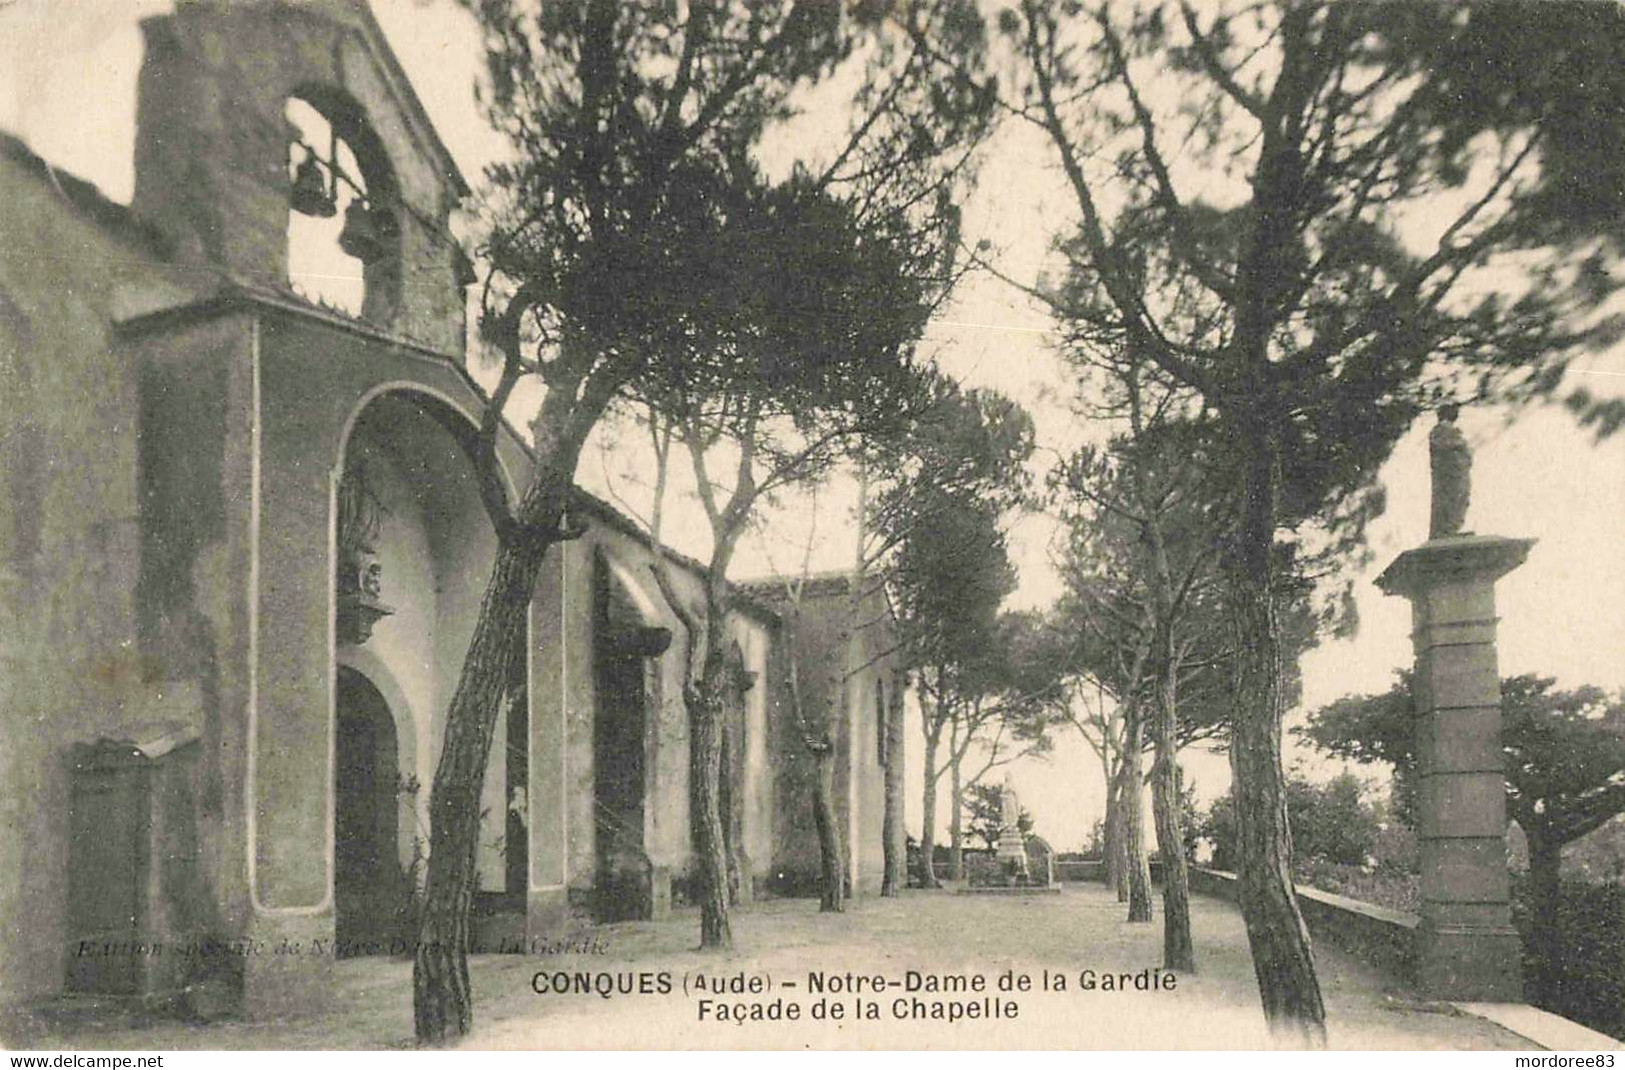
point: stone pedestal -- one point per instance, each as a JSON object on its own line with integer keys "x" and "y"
{"x": 1467, "y": 948}
{"x": 547, "y": 912}
{"x": 287, "y": 963}
{"x": 1012, "y": 852}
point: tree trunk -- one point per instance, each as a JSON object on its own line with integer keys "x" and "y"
{"x": 1545, "y": 892}
{"x": 1116, "y": 856}
{"x": 1112, "y": 826}
{"x": 1276, "y": 934}
{"x": 1282, "y": 958}
{"x": 442, "y": 1004}
{"x": 1132, "y": 803}
{"x": 928, "y": 816}
{"x": 706, "y": 702}
{"x": 832, "y": 895}
{"x": 832, "y": 871}
{"x": 707, "y": 696}
{"x": 728, "y": 804}
{"x": 1178, "y": 953}
{"x": 850, "y": 691}
{"x": 1117, "y": 861}
{"x": 956, "y": 825}
{"x": 895, "y": 844}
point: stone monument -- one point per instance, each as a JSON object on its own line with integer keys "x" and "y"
{"x": 1452, "y": 465}
{"x": 1467, "y": 948}
{"x": 1012, "y": 851}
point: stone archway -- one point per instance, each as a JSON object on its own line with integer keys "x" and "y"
{"x": 413, "y": 549}
{"x": 370, "y": 890}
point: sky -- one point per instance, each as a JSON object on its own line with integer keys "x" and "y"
{"x": 67, "y": 86}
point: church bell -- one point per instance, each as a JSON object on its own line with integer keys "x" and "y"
{"x": 310, "y": 195}
{"x": 363, "y": 233}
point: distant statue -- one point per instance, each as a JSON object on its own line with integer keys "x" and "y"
{"x": 1012, "y": 850}
{"x": 1009, "y": 807}
{"x": 1452, "y": 474}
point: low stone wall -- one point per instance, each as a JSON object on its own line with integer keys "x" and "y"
{"x": 1383, "y": 937}
{"x": 1095, "y": 870}
{"x": 1074, "y": 872}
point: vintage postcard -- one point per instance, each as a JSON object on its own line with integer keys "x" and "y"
{"x": 598, "y": 524}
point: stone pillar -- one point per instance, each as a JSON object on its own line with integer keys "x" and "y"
{"x": 547, "y": 818}
{"x": 1467, "y": 948}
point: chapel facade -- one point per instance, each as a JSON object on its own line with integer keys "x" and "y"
{"x": 245, "y": 549}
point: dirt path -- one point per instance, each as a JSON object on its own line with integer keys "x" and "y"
{"x": 786, "y": 946}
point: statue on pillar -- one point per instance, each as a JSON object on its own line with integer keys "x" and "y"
{"x": 1012, "y": 849}
{"x": 1009, "y": 807}
{"x": 1466, "y": 946}
{"x": 1452, "y": 463}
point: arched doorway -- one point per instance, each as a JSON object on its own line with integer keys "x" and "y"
{"x": 369, "y": 886}
{"x": 619, "y": 728}
{"x": 626, "y": 635}
{"x": 408, "y": 519}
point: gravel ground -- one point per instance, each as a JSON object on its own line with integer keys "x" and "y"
{"x": 782, "y": 946}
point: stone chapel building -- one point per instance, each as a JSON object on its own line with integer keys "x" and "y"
{"x": 242, "y": 551}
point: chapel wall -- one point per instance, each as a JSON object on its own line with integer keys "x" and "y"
{"x": 68, "y": 536}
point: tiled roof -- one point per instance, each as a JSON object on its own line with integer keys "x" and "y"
{"x": 816, "y": 584}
